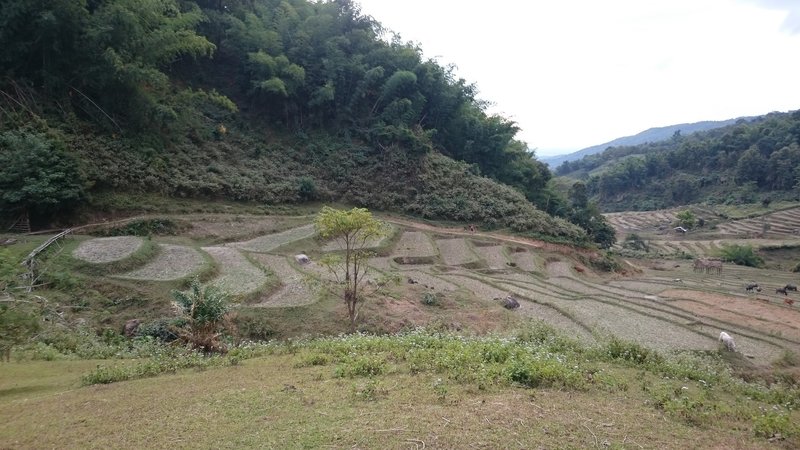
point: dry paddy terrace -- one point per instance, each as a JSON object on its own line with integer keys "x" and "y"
{"x": 667, "y": 307}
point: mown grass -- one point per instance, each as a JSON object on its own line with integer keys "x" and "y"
{"x": 532, "y": 389}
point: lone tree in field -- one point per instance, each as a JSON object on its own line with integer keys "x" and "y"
{"x": 206, "y": 312}
{"x": 352, "y": 230}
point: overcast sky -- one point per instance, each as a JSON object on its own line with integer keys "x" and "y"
{"x": 577, "y": 73}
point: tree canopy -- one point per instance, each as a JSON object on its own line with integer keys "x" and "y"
{"x": 164, "y": 83}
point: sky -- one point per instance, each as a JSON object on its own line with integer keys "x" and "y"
{"x": 578, "y": 73}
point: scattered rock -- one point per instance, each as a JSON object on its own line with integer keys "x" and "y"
{"x": 302, "y": 258}
{"x": 412, "y": 281}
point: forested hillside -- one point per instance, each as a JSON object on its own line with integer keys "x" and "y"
{"x": 751, "y": 161}
{"x": 271, "y": 101}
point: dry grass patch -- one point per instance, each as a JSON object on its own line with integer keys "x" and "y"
{"x": 108, "y": 249}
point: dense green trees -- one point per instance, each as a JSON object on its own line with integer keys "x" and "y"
{"x": 159, "y": 85}
{"x": 37, "y": 175}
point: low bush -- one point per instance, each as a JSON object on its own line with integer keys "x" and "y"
{"x": 742, "y": 255}
{"x": 154, "y": 366}
{"x": 146, "y": 227}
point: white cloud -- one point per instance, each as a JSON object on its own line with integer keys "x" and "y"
{"x": 581, "y": 72}
{"x": 792, "y": 8}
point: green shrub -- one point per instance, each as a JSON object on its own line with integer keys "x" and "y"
{"x": 253, "y": 328}
{"x": 145, "y": 227}
{"x": 772, "y": 423}
{"x": 635, "y": 242}
{"x": 742, "y": 255}
{"x": 430, "y": 299}
{"x": 618, "y": 349}
{"x": 17, "y": 324}
{"x": 151, "y": 367}
{"x": 164, "y": 330}
{"x": 361, "y": 366}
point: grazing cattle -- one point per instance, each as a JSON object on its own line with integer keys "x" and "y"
{"x": 781, "y": 291}
{"x": 727, "y": 340}
{"x": 510, "y": 303}
{"x": 752, "y": 287}
{"x": 130, "y": 328}
{"x": 714, "y": 265}
{"x": 708, "y": 265}
{"x": 791, "y": 287}
{"x": 788, "y": 301}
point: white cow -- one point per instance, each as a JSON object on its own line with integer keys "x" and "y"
{"x": 726, "y": 339}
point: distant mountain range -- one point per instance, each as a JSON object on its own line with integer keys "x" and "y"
{"x": 650, "y": 135}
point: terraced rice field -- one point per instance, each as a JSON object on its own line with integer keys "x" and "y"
{"x": 415, "y": 244}
{"x": 631, "y": 222}
{"x": 173, "y": 262}
{"x": 456, "y": 252}
{"x": 237, "y": 275}
{"x": 785, "y": 222}
{"x": 108, "y": 249}
{"x": 269, "y": 242}
{"x": 664, "y": 305}
{"x": 294, "y": 290}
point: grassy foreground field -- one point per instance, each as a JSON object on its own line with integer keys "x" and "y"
{"x": 416, "y": 390}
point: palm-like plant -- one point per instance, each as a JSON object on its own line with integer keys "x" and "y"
{"x": 206, "y": 311}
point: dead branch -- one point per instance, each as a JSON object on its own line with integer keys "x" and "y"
{"x": 596, "y": 444}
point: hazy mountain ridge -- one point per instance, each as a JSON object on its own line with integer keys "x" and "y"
{"x": 654, "y": 134}
{"x": 746, "y": 162}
